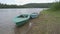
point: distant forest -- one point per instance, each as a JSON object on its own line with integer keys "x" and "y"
{"x": 30, "y": 5}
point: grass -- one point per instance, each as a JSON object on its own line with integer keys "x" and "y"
{"x": 48, "y": 22}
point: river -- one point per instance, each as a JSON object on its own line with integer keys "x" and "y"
{"x": 6, "y": 18}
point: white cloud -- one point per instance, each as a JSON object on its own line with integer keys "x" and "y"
{"x": 22, "y": 1}
{"x": 25, "y": 1}
{"x": 33, "y": 1}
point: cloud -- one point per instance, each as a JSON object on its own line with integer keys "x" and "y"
{"x": 21, "y": 2}
{"x": 33, "y": 1}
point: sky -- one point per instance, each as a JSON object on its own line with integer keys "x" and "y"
{"x": 22, "y": 2}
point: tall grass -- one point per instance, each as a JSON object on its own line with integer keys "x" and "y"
{"x": 55, "y": 6}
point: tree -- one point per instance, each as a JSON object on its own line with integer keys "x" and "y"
{"x": 55, "y": 6}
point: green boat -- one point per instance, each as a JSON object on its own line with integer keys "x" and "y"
{"x": 24, "y": 18}
{"x": 34, "y": 15}
{"x": 21, "y": 19}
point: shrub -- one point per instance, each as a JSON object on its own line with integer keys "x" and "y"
{"x": 55, "y": 6}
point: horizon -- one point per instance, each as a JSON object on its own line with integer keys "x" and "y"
{"x": 23, "y": 4}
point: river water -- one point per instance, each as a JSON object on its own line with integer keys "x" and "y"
{"x": 6, "y": 18}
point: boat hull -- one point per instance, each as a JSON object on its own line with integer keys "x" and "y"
{"x": 19, "y": 24}
{"x": 20, "y": 21}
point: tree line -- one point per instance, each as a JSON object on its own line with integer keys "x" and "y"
{"x": 30, "y": 5}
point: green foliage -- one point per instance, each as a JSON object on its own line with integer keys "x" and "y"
{"x": 55, "y": 6}
{"x": 30, "y": 5}
{"x": 38, "y": 5}
{"x": 9, "y": 6}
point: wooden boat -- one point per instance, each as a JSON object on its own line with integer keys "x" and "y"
{"x": 21, "y": 19}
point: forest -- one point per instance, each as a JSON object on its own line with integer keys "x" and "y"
{"x": 29, "y": 5}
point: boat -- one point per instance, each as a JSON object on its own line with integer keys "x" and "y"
{"x": 34, "y": 15}
{"x": 21, "y": 19}
{"x": 24, "y": 18}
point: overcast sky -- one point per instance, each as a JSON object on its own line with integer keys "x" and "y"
{"x": 21, "y": 2}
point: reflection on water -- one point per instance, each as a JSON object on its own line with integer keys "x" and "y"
{"x": 7, "y": 26}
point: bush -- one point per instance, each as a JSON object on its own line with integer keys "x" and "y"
{"x": 55, "y": 6}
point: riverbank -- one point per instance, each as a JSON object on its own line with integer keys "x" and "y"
{"x": 48, "y": 22}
